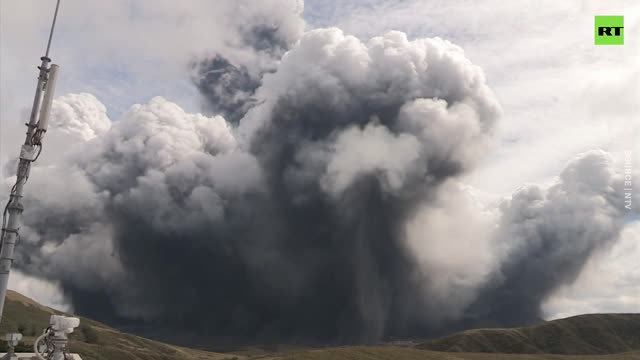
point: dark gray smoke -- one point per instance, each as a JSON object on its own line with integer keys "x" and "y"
{"x": 287, "y": 219}
{"x": 549, "y": 235}
{"x": 229, "y": 88}
{"x": 266, "y": 38}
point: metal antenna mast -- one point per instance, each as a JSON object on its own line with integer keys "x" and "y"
{"x": 29, "y": 153}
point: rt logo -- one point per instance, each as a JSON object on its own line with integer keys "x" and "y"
{"x": 609, "y": 30}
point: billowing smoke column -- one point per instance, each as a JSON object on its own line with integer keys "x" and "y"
{"x": 290, "y": 225}
{"x": 295, "y": 214}
{"x": 548, "y": 235}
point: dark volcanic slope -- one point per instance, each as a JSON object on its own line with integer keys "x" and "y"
{"x": 584, "y": 334}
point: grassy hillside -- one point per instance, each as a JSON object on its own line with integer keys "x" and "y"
{"x": 96, "y": 341}
{"x": 401, "y": 353}
{"x": 584, "y": 334}
{"x": 93, "y": 340}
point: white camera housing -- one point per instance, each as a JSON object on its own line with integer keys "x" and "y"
{"x": 63, "y": 324}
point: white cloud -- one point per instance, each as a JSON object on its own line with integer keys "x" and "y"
{"x": 80, "y": 115}
{"x": 610, "y": 282}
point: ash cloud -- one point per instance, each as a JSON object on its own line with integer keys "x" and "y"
{"x": 80, "y": 115}
{"x": 227, "y": 82}
{"x": 266, "y": 38}
{"x": 548, "y": 236}
{"x": 298, "y": 212}
{"x": 227, "y": 89}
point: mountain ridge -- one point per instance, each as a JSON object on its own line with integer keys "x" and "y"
{"x": 589, "y": 334}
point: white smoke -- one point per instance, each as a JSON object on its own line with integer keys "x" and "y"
{"x": 372, "y": 150}
{"x": 81, "y": 115}
{"x": 452, "y": 239}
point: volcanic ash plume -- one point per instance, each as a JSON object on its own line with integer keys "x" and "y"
{"x": 229, "y": 79}
{"x": 549, "y": 234}
{"x": 289, "y": 225}
{"x": 299, "y": 212}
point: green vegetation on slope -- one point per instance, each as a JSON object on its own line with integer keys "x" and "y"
{"x": 584, "y": 334}
{"x": 92, "y": 340}
{"x": 400, "y": 353}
